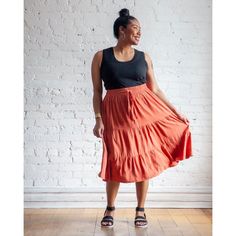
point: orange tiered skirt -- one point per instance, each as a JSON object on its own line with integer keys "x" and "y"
{"x": 142, "y": 137}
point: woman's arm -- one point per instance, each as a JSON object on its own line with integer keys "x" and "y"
{"x": 152, "y": 84}
{"x": 97, "y": 92}
{"x": 97, "y": 83}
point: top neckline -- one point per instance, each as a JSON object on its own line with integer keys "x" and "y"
{"x": 113, "y": 53}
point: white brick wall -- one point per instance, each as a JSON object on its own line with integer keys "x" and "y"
{"x": 60, "y": 40}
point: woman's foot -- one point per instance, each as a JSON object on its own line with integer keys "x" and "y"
{"x": 107, "y": 220}
{"x": 140, "y": 218}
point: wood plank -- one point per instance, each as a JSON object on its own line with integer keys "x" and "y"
{"x": 198, "y": 219}
{"x": 203, "y": 229}
{"x": 184, "y": 224}
{"x": 86, "y": 222}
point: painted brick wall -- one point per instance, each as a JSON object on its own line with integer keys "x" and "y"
{"x": 61, "y": 36}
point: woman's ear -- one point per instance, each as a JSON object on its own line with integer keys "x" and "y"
{"x": 121, "y": 30}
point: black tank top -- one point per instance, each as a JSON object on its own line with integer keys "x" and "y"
{"x": 118, "y": 74}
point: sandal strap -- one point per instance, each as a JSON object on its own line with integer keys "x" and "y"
{"x": 140, "y": 217}
{"x": 140, "y": 220}
{"x": 107, "y": 218}
{"x": 139, "y": 208}
{"x": 109, "y": 208}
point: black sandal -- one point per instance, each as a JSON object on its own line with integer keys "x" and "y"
{"x": 139, "y": 219}
{"x": 107, "y": 221}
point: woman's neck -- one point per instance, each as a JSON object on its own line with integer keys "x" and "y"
{"x": 123, "y": 48}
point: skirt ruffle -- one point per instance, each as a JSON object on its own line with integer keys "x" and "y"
{"x": 142, "y": 137}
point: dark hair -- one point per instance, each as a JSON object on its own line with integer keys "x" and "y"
{"x": 123, "y": 20}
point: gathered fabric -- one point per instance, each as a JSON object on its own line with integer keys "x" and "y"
{"x": 142, "y": 136}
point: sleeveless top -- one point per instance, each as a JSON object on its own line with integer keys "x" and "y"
{"x": 120, "y": 74}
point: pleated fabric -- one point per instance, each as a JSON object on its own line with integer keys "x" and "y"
{"x": 142, "y": 136}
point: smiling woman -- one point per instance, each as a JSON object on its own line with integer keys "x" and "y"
{"x": 142, "y": 132}
{"x": 126, "y": 25}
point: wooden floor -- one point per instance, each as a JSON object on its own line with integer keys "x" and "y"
{"x": 86, "y": 222}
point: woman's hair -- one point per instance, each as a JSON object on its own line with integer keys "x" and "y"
{"x": 123, "y": 20}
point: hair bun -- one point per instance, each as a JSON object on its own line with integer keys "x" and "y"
{"x": 124, "y": 12}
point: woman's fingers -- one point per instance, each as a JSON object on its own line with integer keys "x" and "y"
{"x": 94, "y": 132}
{"x": 186, "y": 120}
{"x": 101, "y": 132}
{"x": 183, "y": 117}
{"x": 98, "y": 132}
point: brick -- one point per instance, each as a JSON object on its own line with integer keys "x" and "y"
{"x": 32, "y": 172}
{"x": 57, "y": 159}
{"x": 70, "y": 182}
{"x": 28, "y": 183}
{"x": 44, "y": 183}
{"x": 60, "y": 174}
{"x": 36, "y": 160}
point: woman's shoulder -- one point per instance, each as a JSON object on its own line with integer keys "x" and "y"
{"x": 139, "y": 50}
{"x": 145, "y": 54}
{"x": 98, "y": 56}
{"x": 99, "y": 53}
{"x": 142, "y": 52}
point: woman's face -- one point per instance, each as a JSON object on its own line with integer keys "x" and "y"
{"x": 132, "y": 32}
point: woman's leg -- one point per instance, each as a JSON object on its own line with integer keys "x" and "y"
{"x": 112, "y": 188}
{"x": 141, "y": 192}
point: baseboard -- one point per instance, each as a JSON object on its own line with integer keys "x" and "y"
{"x": 163, "y": 197}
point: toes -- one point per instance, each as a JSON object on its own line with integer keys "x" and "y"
{"x": 141, "y": 223}
{"x": 106, "y": 223}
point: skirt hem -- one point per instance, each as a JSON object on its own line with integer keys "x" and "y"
{"x": 173, "y": 164}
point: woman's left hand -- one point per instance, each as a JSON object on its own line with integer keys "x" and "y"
{"x": 182, "y": 117}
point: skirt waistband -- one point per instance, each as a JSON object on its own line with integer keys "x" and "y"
{"x": 132, "y": 89}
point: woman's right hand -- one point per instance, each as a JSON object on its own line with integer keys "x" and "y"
{"x": 98, "y": 128}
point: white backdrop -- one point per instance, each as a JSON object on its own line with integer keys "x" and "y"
{"x": 61, "y": 153}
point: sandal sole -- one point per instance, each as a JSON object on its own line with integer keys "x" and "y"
{"x": 139, "y": 226}
{"x": 107, "y": 226}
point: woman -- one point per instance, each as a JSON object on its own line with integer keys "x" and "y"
{"x": 142, "y": 132}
